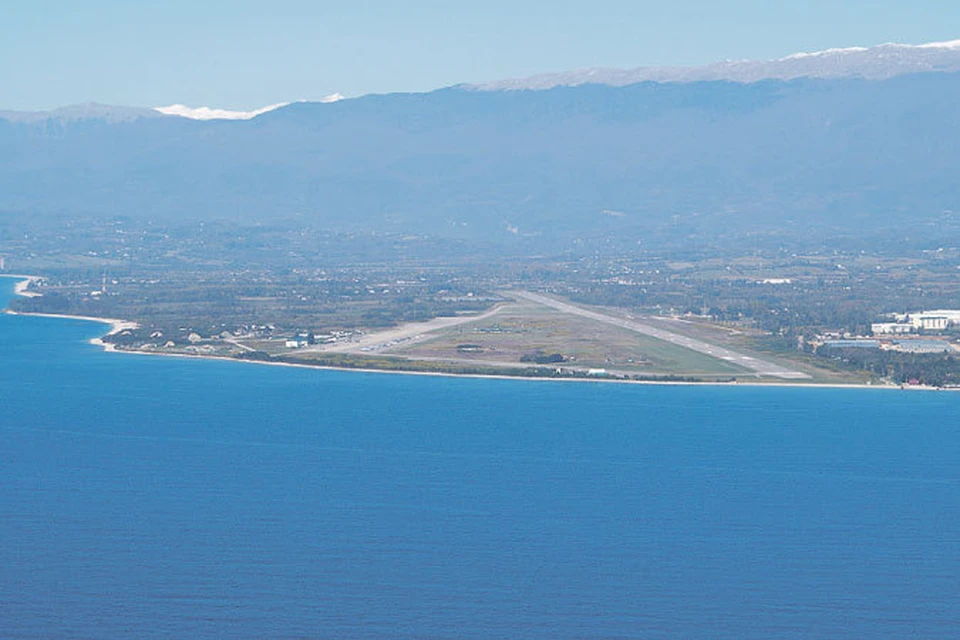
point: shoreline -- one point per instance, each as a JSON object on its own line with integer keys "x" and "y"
{"x": 23, "y": 282}
{"x": 117, "y": 325}
{"x": 494, "y": 376}
{"x": 20, "y": 289}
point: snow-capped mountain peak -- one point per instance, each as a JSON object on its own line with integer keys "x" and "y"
{"x": 208, "y": 113}
{"x": 951, "y": 44}
{"x": 874, "y": 63}
{"x": 825, "y": 52}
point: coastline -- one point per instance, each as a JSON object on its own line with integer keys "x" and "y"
{"x": 20, "y": 289}
{"x": 117, "y": 325}
{"x": 492, "y": 376}
{"x": 24, "y": 281}
{"x": 120, "y": 325}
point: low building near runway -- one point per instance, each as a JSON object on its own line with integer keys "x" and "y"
{"x": 891, "y": 328}
{"x": 852, "y": 344}
{"x": 921, "y": 346}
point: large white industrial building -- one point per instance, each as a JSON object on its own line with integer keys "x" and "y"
{"x": 936, "y": 320}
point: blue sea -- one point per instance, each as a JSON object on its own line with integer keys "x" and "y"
{"x": 174, "y": 498}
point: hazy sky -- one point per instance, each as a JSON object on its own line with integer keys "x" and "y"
{"x": 244, "y": 54}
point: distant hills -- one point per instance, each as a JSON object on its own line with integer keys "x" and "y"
{"x": 693, "y": 159}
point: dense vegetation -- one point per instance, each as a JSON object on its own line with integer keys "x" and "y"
{"x": 931, "y": 369}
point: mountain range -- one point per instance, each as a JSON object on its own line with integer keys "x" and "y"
{"x": 859, "y": 144}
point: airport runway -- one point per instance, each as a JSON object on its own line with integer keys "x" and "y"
{"x": 757, "y": 366}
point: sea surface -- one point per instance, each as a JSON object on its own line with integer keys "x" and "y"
{"x": 165, "y": 497}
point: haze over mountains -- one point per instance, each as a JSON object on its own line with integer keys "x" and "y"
{"x": 861, "y": 140}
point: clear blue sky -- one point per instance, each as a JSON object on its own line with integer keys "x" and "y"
{"x": 244, "y": 54}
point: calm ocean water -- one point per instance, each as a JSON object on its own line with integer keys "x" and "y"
{"x": 163, "y": 497}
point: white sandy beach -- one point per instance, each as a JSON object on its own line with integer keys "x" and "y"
{"x": 20, "y": 288}
{"x": 116, "y": 326}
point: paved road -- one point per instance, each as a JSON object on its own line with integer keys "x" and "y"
{"x": 757, "y": 366}
{"x": 403, "y": 335}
